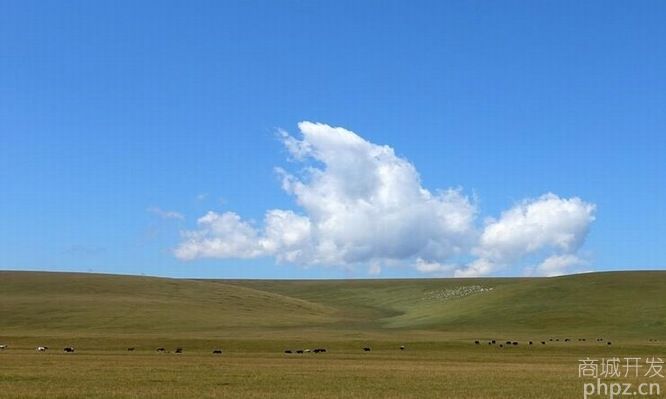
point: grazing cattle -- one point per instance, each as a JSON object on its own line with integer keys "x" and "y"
{"x": 41, "y": 348}
{"x": 69, "y": 349}
{"x": 130, "y": 349}
{"x": 567, "y": 340}
{"x": 319, "y": 350}
{"x": 219, "y": 351}
{"x": 367, "y": 349}
{"x": 306, "y": 350}
{"x": 531, "y": 342}
{"x": 179, "y": 350}
{"x": 3, "y": 347}
{"x": 515, "y": 343}
{"x": 550, "y": 339}
{"x": 543, "y": 342}
{"x": 476, "y": 342}
{"x": 402, "y": 347}
{"x": 610, "y": 343}
{"x": 299, "y": 351}
{"x": 160, "y": 349}
{"x": 288, "y": 351}
{"x": 557, "y": 340}
{"x": 501, "y": 346}
{"x": 508, "y": 342}
{"x": 493, "y": 341}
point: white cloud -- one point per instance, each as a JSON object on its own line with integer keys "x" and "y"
{"x": 220, "y": 236}
{"x": 477, "y": 268}
{"x": 430, "y": 267}
{"x": 360, "y": 203}
{"x": 558, "y": 265}
{"x": 166, "y": 214}
{"x": 546, "y": 225}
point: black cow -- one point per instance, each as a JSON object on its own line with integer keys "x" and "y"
{"x": 69, "y": 349}
{"x": 567, "y": 340}
{"x": 288, "y": 351}
{"x": 179, "y": 350}
{"x": 476, "y": 342}
{"x": 130, "y": 349}
{"x": 319, "y": 350}
{"x": 160, "y": 349}
{"x": 493, "y": 341}
{"x": 501, "y": 346}
{"x": 610, "y": 343}
{"x": 299, "y": 351}
{"x": 367, "y": 349}
{"x": 219, "y": 351}
{"x": 515, "y": 343}
{"x": 531, "y": 342}
{"x": 543, "y": 342}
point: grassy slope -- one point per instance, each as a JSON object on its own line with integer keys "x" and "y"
{"x": 600, "y": 304}
{"x": 92, "y": 303}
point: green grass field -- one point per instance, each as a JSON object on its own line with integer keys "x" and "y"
{"x": 253, "y": 321}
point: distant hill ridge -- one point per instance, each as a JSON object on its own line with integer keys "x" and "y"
{"x": 631, "y": 304}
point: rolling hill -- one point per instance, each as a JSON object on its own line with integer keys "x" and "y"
{"x": 628, "y": 304}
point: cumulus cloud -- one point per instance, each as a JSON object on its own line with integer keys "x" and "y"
{"x": 548, "y": 224}
{"x": 360, "y": 203}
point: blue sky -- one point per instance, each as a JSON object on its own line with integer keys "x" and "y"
{"x": 113, "y": 111}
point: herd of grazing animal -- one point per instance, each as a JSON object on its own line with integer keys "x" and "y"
{"x": 68, "y": 349}
{"x": 179, "y": 350}
{"x": 515, "y": 343}
{"x": 301, "y": 351}
{"x": 323, "y": 350}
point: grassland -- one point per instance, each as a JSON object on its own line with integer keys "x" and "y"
{"x": 254, "y": 321}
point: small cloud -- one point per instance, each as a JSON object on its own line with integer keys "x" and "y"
{"x": 430, "y": 267}
{"x": 166, "y": 214}
{"x": 558, "y": 265}
{"x": 201, "y": 197}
